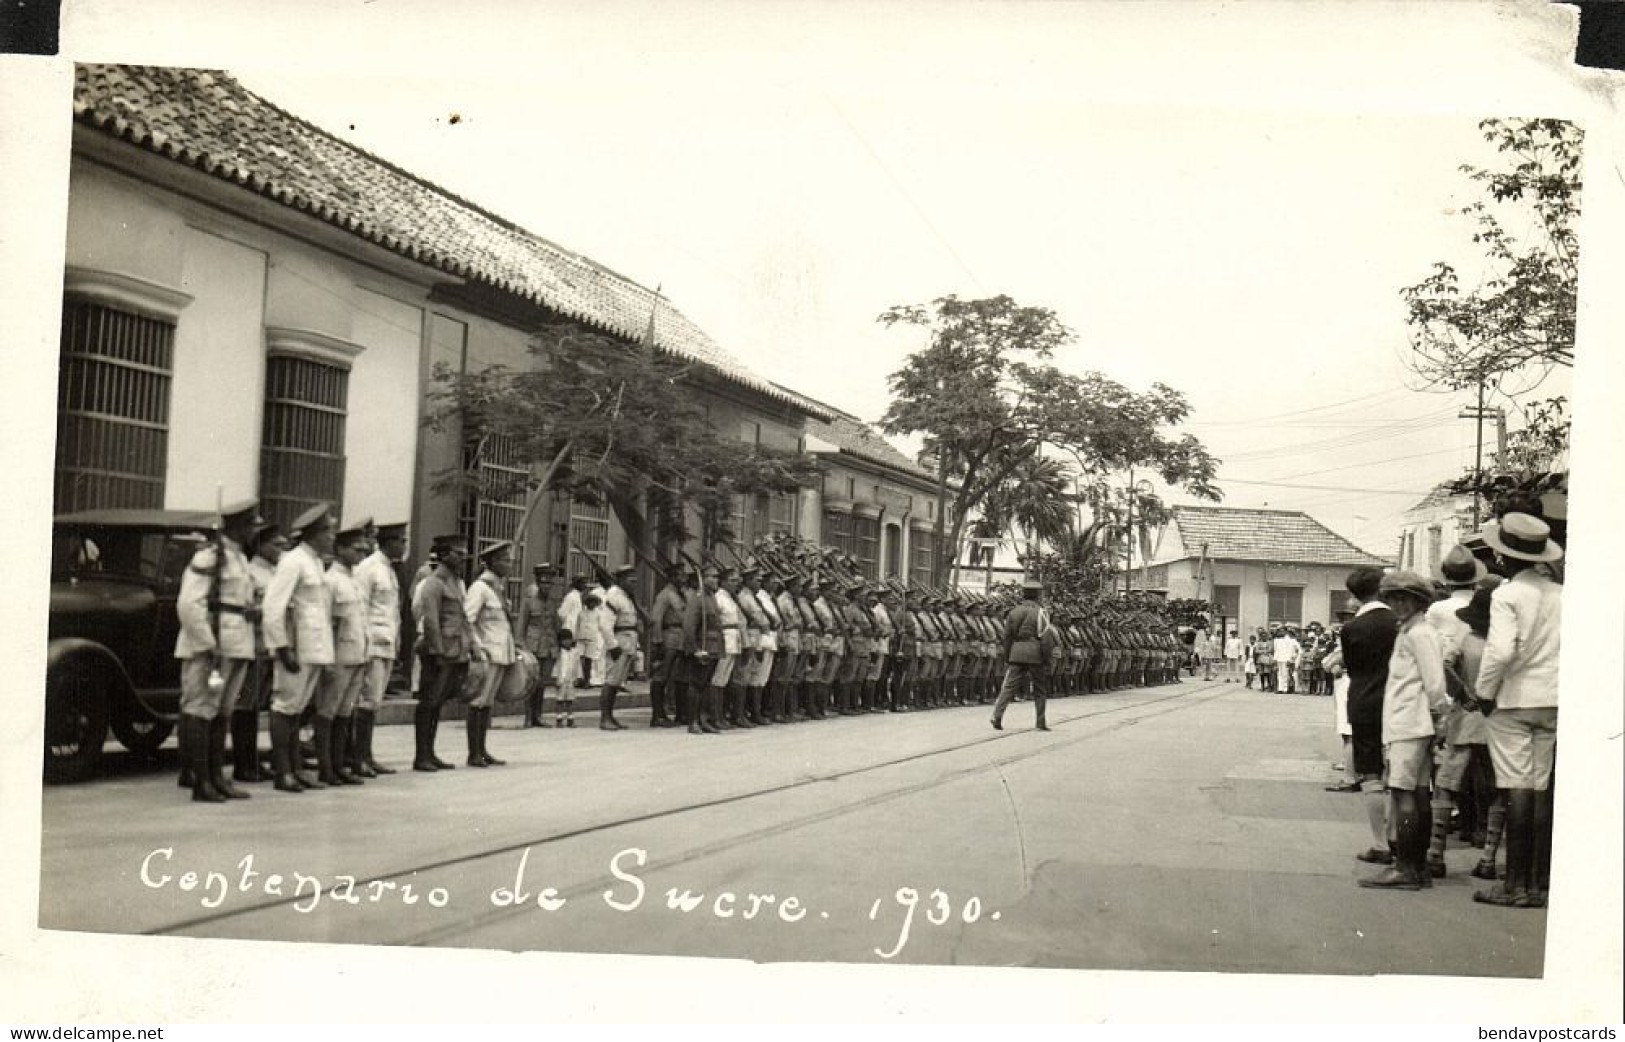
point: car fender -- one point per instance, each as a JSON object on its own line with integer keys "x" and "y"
{"x": 122, "y": 697}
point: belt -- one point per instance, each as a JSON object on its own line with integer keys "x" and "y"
{"x": 231, "y": 609}
{"x": 730, "y": 625}
{"x": 626, "y": 629}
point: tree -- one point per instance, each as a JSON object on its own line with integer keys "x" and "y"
{"x": 986, "y": 399}
{"x": 1034, "y": 500}
{"x": 609, "y": 422}
{"x": 1521, "y": 314}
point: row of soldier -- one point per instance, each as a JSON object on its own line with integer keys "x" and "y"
{"x": 315, "y": 616}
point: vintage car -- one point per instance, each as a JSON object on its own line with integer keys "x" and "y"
{"x": 115, "y": 575}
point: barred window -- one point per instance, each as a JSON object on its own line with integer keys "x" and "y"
{"x": 922, "y": 547}
{"x": 781, "y": 514}
{"x": 495, "y": 504}
{"x": 894, "y": 550}
{"x": 838, "y": 531}
{"x": 589, "y": 530}
{"x": 302, "y": 448}
{"x": 112, "y": 417}
{"x": 866, "y": 545}
{"x": 1286, "y": 605}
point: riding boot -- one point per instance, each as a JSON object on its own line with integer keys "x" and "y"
{"x": 683, "y": 702}
{"x": 217, "y": 760}
{"x": 434, "y": 733}
{"x": 471, "y": 727}
{"x": 196, "y": 744}
{"x": 606, "y": 709}
{"x": 245, "y": 737}
{"x": 753, "y": 706}
{"x": 355, "y": 762}
{"x": 183, "y": 740}
{"x": 324, "y": 751}
{"x": 344, "y": 751}
{"x": 422, "y": 729}
{"x": 367, "y": 722}
{"x": 709, "y": 709}
{"x": 282, "y": 753}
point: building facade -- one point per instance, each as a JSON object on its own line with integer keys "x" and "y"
{"x": 1258, "y": 567}
{"x": 254, "y": 307}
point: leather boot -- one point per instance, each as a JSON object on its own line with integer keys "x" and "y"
{"x": 485, "y": 736}
{"x": 196, "y": 744}
{"x": 361, "y": 745}
{"x": 183, "y": 745}
{"x": 471, "y": 727}
{"x": 366, "y": 722}
{"x": 282, "y": 753}
{"x": 245, "y": 739}
{"x": 710, "y": 709}
{"x": 421, "y": 727}
{"x": 324, "y": 751}
{"x": 608, "y": 703}
{"x": 753, "y": 706}
{"x": 217, "y": 760}
{"x": 434, "y": 734}
{"x": 343, "y": 751}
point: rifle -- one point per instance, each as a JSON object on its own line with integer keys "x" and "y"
{"x": 606, "y": 580}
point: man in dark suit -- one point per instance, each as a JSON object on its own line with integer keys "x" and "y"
{"x": 1368, "y": 641}
{"x": 1025, "y": 654}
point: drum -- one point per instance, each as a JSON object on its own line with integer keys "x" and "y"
{"x": 521, "y": 679}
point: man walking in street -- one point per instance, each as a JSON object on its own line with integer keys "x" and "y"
{"x": 1023, "y": 653}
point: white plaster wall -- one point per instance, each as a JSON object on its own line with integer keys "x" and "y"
{"x": 114, "y": 227}
{"x": 381, "y": 432}
{"x": 217, "y": 397}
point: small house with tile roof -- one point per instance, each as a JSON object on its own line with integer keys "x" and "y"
{"x": 875, "y": 502}
{"x": 254, "y": 306}
{"x": 1429, "y": 529}
{"x": 1259, "y": 567}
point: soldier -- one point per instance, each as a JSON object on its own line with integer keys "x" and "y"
{"x": 668, "y": 651}
{"x": 378, "y": 580}
{"x": 537, "y": 632}
{"x": 1024, "y": 629}
{"x": 299, "y": 632}
{"x": 621, "y": 644}
{"x": 880, "y": 651}
{"x": 268, "y": 543}
{"x": 737, "y": 653}
{"x": 768, "y": 669}
{"x": 855, "y": 665}
{"x": 217, "y": 615}
{"x": 572, "y": 619}
{"x": 339, "y": 688}
{"x": 812, "y": 646}
{"x": 485, "y": 607}
{"x": 826, "y": 601}
{"x": 444, "y": 642}
{"x": 713, "y": 661}
{"x": 758, "y": 661}
{"x": 905, "y": 641}
{"x": 787, "y": 665}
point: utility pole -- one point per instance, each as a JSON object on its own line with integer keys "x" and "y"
{"x": 1128, "y": 566}
{"x": 1479, "y": 414}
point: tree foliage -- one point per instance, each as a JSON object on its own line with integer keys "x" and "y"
{"x": 987, "y": 401}
{"x": 605, "y": 421}
{"x": 1521, "y": 313}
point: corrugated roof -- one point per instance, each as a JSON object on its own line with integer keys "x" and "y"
{"x": 207, "y": 120}
{"x": 1237, "y": 534}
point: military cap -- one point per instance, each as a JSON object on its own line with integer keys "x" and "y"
{"x": 352, "y": 534}
{"x": 317, "y": 519}
{"x": 495, "y": 550}
{"x": 543, "y": 568}
{"x": 1031, "y": 584}
{"x": 449, "y": 544}
{"x": 245, "y": 511}
{"x": 712, "y": 570}
{"x": 750, "y": 570}
{"x": 360, "y": 525}
{"x": 396, "y": 530}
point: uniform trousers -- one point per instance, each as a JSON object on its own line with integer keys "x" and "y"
{"x": 196, "y": 698}
{"x": 1016, "y": 674}
{"x": 376, "y": 683}
{"x": 490, "y": 680}
{"x": 291, "y": 692}
{"x": 338, "y": 688}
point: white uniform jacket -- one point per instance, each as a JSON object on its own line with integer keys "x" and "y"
{"x": 381, "y": 593}
{"x": 197, "y": 634}
{"x": 299, "y": 608}
{"x": 349, "y": 617}
{"x": 487, "y": 612}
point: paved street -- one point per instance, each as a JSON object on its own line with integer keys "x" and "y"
{"x": 1173, "y": 828}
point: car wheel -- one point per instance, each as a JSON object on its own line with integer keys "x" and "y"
{"x": 75, "y": 721}
{"x": 143, "y": 735}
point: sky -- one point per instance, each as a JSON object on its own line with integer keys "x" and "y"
{"x": 783, "y": 196}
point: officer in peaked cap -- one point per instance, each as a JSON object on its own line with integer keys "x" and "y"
{"x": 1023, "y": 635}
{"x": 378, "y": 581}
{"x": 339, "y": 689}
{"x": 536, "y": 630}
{"x": 216, "y": 612}
{"x": 299, "y": 632}
{"x": 623, "y": 646}
{"x": 485, "y": 608}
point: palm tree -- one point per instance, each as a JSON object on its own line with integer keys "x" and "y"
{"x": 1036, "y": 500}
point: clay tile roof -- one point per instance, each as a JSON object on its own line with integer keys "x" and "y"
{"x": 1236, "y": 534}
{"x": 207, "y": 120}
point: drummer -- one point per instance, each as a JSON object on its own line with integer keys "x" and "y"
{"x": 485, "y": 605}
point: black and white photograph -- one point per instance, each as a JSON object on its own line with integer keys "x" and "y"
{"x": 806, "y": 512}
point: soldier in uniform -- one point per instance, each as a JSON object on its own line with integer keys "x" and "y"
{"x": 812, "y": 647}
{"x": 444, "y": 642}
{"x": 299, "y": 632}
{"x": 217, "y": 614}
{"x": 757, "y": 660}
{"x": 621, "y": 644}
{"x": 767, "y": 669}
{"x": 339, "y": 687}
{"x": 713, "y": 661}
{"x": 1024, "y": 629}
{"x": 880, "y": 652}
{"x": 485, "y": 608}
{"x": 668, "y": 684}
{"x": 855, "y": 666}
{"x": 537, "y": 632}
{"x": 378, "y": 580}
{"x": 787, "y": 664}
{"x": 905, "y": 641}
{"x": 268, "y": 543}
